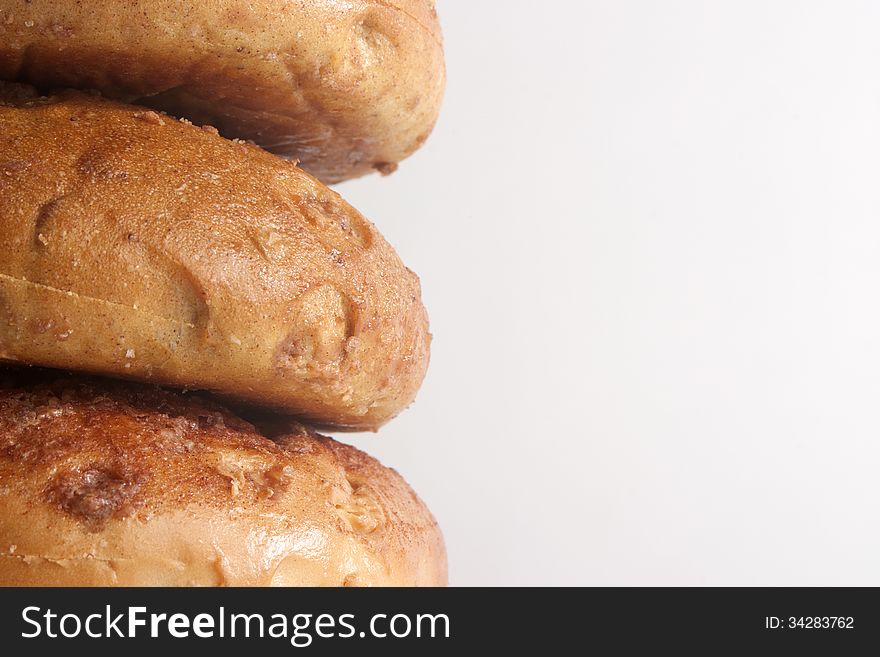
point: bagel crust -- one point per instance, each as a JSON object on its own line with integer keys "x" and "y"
{"x": 345, "y": 87}
{"x": 138, "y": 246}
{"x": 115, "y": 484}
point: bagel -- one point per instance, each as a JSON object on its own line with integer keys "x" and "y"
{"x": 138, "y": 246}
{"x": 115, "y": 484}
{"x": 345, "y": 87}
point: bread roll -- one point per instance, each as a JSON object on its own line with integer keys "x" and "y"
{"x": 138, "y": 246}
{"x": 111, "y": 484}
{"x": 346, "y": 87}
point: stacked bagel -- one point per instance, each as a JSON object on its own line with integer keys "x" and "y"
{"x": 183, "y": 301}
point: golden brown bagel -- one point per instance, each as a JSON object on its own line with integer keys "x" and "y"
{"x": 138, "y": 246}
{"x": 346, "y": 87}
{"x": 113, "y": 484}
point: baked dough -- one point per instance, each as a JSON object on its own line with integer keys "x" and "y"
{"x": 111, "y": 484}
{"x": 139, "y": 246}
{"x": 345, "y": 87}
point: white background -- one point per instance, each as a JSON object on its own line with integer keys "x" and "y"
{"x": 648, "y": 235}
